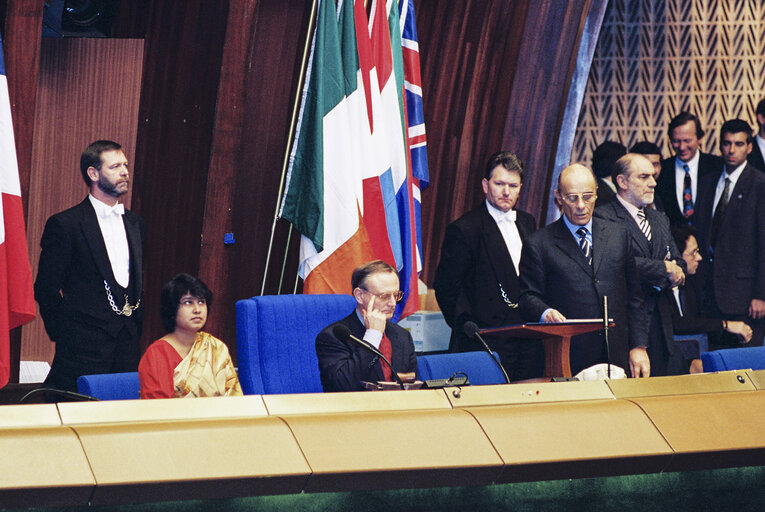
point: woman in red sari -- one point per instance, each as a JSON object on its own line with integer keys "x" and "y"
{"x": 187, "y": 362}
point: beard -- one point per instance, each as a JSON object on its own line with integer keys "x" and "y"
{"x": 110, "y": 188}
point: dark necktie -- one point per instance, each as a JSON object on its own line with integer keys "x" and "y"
{"x": 645, "y": 227}
{"x": 584, "y": 245}
{"x": 719, "y": 215}
{"x": 387, "y": 351}
{"x": 687, "y": 197}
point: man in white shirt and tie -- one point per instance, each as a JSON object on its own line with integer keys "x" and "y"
{"x": 684, "y": 176}
{"x": 90, "y": 277}
{"x": 477, "y": 275}
{"x": 731, "y": 229}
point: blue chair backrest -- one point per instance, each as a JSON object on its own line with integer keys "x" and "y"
{"x": 276, "y": 340}
{"x": 110, "y": 386}
{"x": 734, "y": 359}
{"x": 478, "y": 366}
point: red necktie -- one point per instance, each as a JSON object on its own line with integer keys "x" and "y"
{"x": 387, "y": 351}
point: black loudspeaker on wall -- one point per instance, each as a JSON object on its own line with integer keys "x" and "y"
{"x": 78, "y": 18}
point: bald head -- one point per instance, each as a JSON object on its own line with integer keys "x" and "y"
{"x": 576, "y": 193}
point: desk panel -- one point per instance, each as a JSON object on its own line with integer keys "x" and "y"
{"x": 394, "y": 449}
{"x": 318, "y": 403}
{"x": 722, "y": 382}
{"x": 42, "y": 467}
{"x": 160, "y": 461}
{"x": 573, "y": 440}
{"x": 539, "y": 392}
{"x": 169, "y": 409}
{"x": 30, "y": 415}
{"x": 712, "y": 430}
{"x": 758, "y": 378}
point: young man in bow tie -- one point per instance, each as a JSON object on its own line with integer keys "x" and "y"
{"x": 89, "y": 282}
{"x": 477, "y": 276}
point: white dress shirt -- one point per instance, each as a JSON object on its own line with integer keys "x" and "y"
{"x": 506, "y": 224}
{"x": 115, "y": 238}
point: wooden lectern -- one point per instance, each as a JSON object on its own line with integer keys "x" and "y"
{"x": 556, "y": 338}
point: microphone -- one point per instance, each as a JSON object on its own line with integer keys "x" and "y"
{"x": 342, "y": 333}
{"x": 605, "y": 332}
{"x": 471, "y": 329}
{"x": 76, "y": 397}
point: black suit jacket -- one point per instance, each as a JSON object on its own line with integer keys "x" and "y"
{"x": 709, "y": 169}
{"x": 474, "y": 264}
{"x": 343, "y": 365}
{"x": 649, "y": 259}
{"x": 70, "y": 290}
{"x": 755, "y": 157}
{"x": 555, "y": 274}
{"x": 738, "y": 269}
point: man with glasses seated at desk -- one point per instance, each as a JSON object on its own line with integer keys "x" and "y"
{"x": 345, "y": 364}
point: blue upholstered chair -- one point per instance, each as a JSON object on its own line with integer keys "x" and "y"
{"x": 110, "y": 386}
{"x": 734, "y": 359}
{"x": 479, "y": 367}
{"x": 275, "y": 340}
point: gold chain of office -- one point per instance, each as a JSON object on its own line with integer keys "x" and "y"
{"x": 127, "y": 309}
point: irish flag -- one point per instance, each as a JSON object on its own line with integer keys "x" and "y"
{"x": 349, "y": 188}
{"x": 17, "y": 304}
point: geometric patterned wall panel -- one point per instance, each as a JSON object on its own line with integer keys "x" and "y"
{"x": 655, "y": 58}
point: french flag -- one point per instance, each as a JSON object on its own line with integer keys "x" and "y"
{"x": 17, "y": 305}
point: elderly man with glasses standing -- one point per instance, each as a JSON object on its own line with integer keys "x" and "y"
{"x": 570, "y": 266}
{"x": 344, "y": 364}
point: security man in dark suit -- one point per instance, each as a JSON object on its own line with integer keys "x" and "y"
{"x": 731, "y": 229}
{"x": 90, "y": 277}
{"x": 568, "y": 268}
{"x": 477, "y": 276}
{"x": 685, "y": 175}
{"x": 658, "y": 260}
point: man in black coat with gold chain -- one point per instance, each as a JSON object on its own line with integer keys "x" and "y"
{"x": 89, "y": 282}
{"x": 477, "y": 275}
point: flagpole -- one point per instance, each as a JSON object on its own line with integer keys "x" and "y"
{"x": 298, "y": 93}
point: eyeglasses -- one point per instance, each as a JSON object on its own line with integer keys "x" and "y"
{"x": 573, "y": 199}
{"x": 187, "y": 303}
{"x": 385, "y": 297}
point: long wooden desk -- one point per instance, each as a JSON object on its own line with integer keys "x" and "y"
{"x": 135, "y": 451}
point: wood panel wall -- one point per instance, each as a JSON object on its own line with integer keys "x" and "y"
{"x": 88, "y": 90}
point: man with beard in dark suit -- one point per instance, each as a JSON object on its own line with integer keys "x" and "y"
{"x": 731, "y": 228}
{"x": 684, "y": 176}
{"x": 477, "y": 276}
{"x": 343, "y": 364}
{"x": 658, "y": 260}
{"x": 89, "y": 282}
{"x": 568, "y": 268}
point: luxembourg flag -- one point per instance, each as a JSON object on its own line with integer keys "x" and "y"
{"x": 17, "y": 305}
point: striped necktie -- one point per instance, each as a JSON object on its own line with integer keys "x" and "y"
{"x": 584, "y": 245}
{"x": 645, "y": 227}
